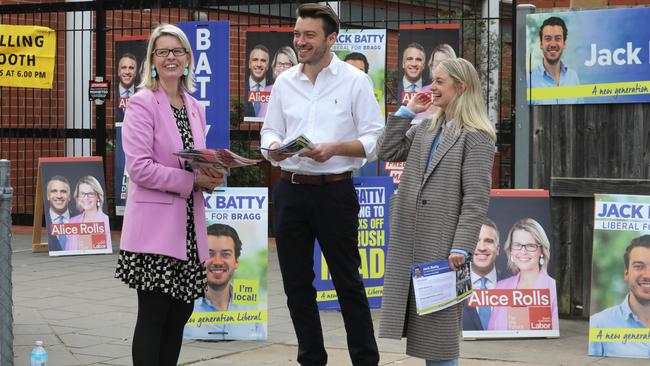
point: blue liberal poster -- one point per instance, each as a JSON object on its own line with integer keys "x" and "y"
{"x": 588, "y": 57}
{"x": 620, "y": 277}
{"x": 210, "y": 45}
{"x": 374, "y": 200}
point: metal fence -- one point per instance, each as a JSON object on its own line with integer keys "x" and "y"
{"x": 6, "y": 299}
{"x": 62, "y": 122}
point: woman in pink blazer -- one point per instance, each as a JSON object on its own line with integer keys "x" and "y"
{"x": 164, "y": 238}
{"x": 528, "y": 250}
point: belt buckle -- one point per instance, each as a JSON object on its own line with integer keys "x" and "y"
{"x": 292, "y": 179}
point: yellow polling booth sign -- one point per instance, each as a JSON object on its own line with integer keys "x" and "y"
{"x": 27, "y": 56}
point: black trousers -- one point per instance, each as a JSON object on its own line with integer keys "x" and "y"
{"x": 159, "y": 329}
{"x": 328, "y": 213}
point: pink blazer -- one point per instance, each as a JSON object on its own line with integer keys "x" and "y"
{"x": 499, "y": 316}
{"x": 155, "y": 218}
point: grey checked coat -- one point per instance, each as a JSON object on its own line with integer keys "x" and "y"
{"x": 435, "y": 210}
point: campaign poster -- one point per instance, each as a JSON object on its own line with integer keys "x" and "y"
{"x": 74, "y": 201}
{"x": 269, "y": 52}
{"x": 620, "y": 277}
{"x": 374, "y": 201}
{"x": 210, "y": 41}
{"x": 588, "y": 56}
{"x": 236, "y": 300}
{"x": 421, "y": 47}
{"x": 130, "y": 54}
{"x": 365, "y": 49}
{"x": 512, "y": 270}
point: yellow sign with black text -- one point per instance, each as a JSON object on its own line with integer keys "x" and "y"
{"x": 27, "y": 56}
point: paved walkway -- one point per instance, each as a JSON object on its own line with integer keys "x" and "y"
{"x": 86, "y": 317}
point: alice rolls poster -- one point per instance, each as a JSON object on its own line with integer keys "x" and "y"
{"x": 75, "y": 207}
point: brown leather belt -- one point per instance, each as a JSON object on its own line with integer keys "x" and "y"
{"x": 314, "y": 179}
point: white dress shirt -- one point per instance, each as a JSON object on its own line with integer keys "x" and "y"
{"x": 407, "y": 85}
{"x": 54, "y": 216}
{"x": 123, "y": 91}
{"x": 491, "y": 283}
{"x": 252, "y": 83}
{"x": 339, "y": 106}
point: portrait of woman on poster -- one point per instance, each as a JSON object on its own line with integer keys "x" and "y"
{"x": 528, "y": 250}
{"x": 89, "y": 200}
{"x": 284, "y": 59}
{"x": 442, "y": 200}
{"x": 442, "y": 52}
{"x": 164, "y": 237}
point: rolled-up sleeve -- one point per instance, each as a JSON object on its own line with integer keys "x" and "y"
{"x": 367, "y": 116}
{"x": 274, "y": 128}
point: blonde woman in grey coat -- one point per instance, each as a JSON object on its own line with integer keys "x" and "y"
{"x": 442, "y": 200}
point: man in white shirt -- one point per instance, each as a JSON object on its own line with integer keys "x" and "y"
{"x": 331, "y": 103}
{"x": 258, "y": 66}
{"x": 126, "y": 87}
{"x": 412, "y": 69}
{"x": 58, "y": 197}
{"x": 484, "y": 274}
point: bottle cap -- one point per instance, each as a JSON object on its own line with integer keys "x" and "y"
{"x": 39, "y": 343}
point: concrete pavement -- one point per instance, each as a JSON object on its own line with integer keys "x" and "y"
{"x": 86, "y": 317}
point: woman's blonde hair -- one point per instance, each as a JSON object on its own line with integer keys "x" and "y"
{"x": 537, "y": 232}
{"x": 468, "y": 106}
{"x": 95, "y": 185}
{"x": 441, "y": 48}
{"x": 167, "y": 30}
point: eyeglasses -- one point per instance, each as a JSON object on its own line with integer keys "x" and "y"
{"x": 284, "y": 65}
{"x": 530, "y": 247}
{"x": 87, "y": 194}
{"x": 164, "y": 52}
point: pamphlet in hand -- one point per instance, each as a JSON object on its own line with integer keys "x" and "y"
{"x": 437, "y": 287}
{"x": 296, "y": 146}
{"x": 219, "y": 159}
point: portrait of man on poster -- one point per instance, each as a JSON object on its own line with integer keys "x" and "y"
{"x": 258, "y": 67}
{"x": 224, "y": 251}
{"x": 552, "y": 71}
{"x": 634, "y": 311}
{"x": 413, "y": 62}
{"x": 126, "y": 75}
{"x": 58, "y": 198}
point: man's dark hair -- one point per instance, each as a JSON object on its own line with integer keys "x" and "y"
{"x": 331, "y": 22}
{"x": 553, "y": 21}
{"x": 641, "y": 241}
{"x": 260, "y": 47}
{"x": 60, "y": 178}
{"x": 225, "y": 230}
{"x": 490, "y": 223}
{"x": 129, "y": 55}
{"x": 414, "y": 45}
{"x": 360, "y": 57}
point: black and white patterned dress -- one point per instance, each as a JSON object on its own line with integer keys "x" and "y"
{"x": 183, "y": 280}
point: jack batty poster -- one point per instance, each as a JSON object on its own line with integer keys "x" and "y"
{"x": 374, "y": 196}
{"x": 236, "y": 300}
{"x": 620, "y": 277}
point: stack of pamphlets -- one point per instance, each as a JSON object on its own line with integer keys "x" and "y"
{"x": 296, "y": 146}
{"x": 218, "y": 159}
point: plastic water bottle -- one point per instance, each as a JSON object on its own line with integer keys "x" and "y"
{"x": 38, "y": 357}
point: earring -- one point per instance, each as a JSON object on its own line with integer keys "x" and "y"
{"x": 186, "y": 70}
{"x": 541, "y": 260}
{"x": 153, "y": 72}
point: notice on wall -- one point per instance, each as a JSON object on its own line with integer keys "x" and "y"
{"x": 27, "y": 56}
